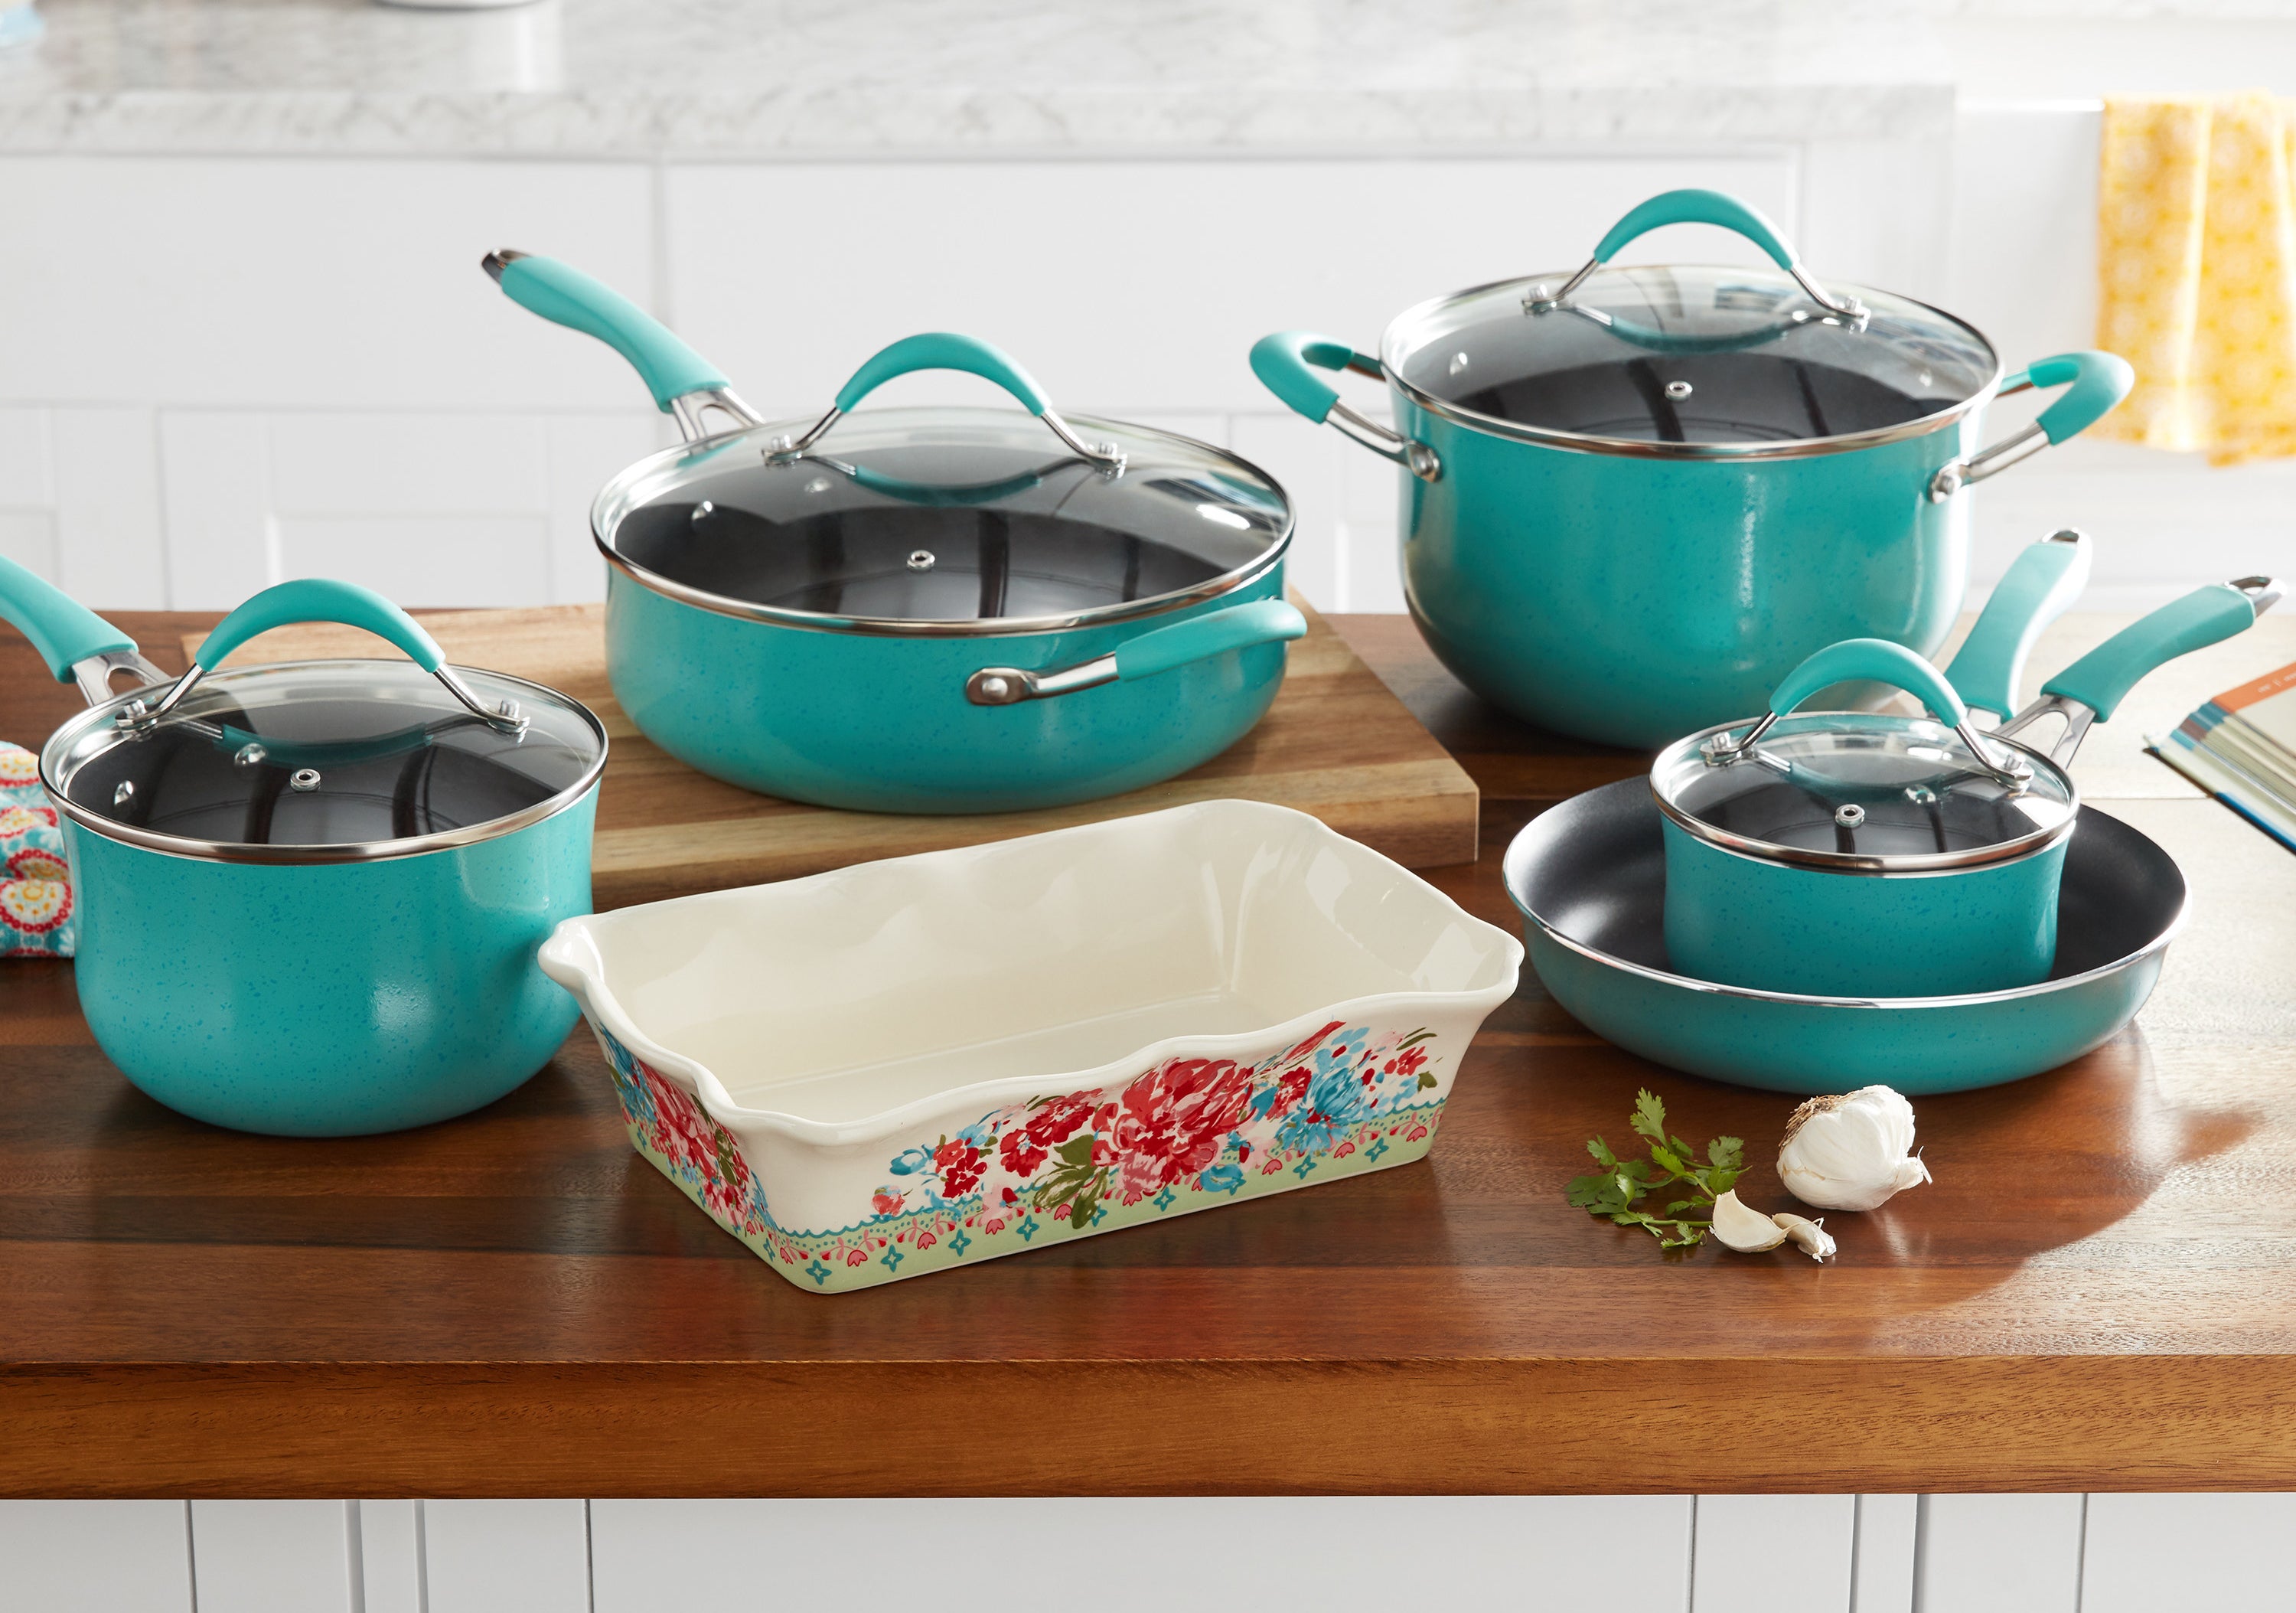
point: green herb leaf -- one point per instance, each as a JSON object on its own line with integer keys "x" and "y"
{"x": 1727, "y": 1154}
{"x": 1667, "y": 1158}
{"x": 1612, "y": 1193}
{"x": 1649, "y": 1116}
{"x": 1601, "y": 1150}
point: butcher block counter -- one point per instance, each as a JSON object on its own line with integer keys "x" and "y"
{"x": 2097, "y": 1293}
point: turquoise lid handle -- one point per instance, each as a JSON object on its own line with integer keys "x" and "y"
{"x": 1286, "y": 363}
{"x": 319, "y": 599}
{"x": 1239, "y": 627}
{"x": 63, "y": 631}
{"x": 2205, "y": 616}
{"x": 2095, "y": 383}
{"x": 567, "y": 296}
{"x": 2045, "y": 580}
{"x": 1879, "y": 660}
{"x": 943, "y": 350}
{"x": 1697, "y": 207}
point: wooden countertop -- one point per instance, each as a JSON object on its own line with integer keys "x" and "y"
{"x": 2098, "y": 1293}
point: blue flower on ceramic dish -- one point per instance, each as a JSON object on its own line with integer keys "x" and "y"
{"x": 637, "y": 1099}
{"x": 1334, "y": 1102}
{"x": 1223, "y": 1177}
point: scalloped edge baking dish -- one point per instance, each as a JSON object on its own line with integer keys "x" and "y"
{"x": 931, "y": 1061}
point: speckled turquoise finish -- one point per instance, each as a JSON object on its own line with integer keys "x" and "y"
{"x": 1813, "y": 1047}
{"x": 1632, "y": 600}
{"x": 329, "y": 1001}
{"x": 1741, "y": 921}
{"x": 877, "y": 723}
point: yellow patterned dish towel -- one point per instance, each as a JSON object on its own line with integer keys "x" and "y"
{"x": 2196, "y": 254}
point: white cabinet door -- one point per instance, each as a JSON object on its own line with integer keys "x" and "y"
{"x": 274, "y": 1556}
{"x": 506, "y": 1556}
{"x": 1336, "y": 1554}
{"x": 2147, "y": 1553}
{"x": 95, "y": 1557}
{"x": 1999, "y": 1554}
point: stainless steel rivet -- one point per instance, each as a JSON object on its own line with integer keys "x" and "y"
{"x": 1920, "y": 794}
{"x": 249, "y": 754}
{"x": 126, "y": 792}
{"x": 1850, "y": 816}
{"x": 1676, "y": 390}
{"x": 921, "y": 560}
{"x": 994, "y": 688}
{"x": 703, "y": 509}
{"x": 1458, "y": 362}
{"x": 303, "y": 778}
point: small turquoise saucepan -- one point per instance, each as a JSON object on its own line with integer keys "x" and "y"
{"x": 311, "y": 893}
{"x": 1632, "y": 497}
{"x": 1868, "y": 854}
{"x": 938, "y": 609}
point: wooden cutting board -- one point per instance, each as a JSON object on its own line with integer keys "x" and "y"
{"x": 1335, "y": 744}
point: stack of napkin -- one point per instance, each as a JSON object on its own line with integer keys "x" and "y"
{"x": 36, "y": 904}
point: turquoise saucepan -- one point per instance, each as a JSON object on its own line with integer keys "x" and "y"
{"x": 1633, "y": 498}
{"x": 943, "y": 610}
{"x": 310, "y": 894}
{"x": 1868, "y": 854}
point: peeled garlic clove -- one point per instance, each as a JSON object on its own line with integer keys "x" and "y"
{"x": 1809, "y": 1235}
{"x": 1850, "y": 1152}
{"x": 1748, "y": 1231}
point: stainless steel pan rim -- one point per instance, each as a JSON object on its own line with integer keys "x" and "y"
{"x": 96, "y": 719}
{"x": 1002, "y": 627}
{"x": 1897, "y": 866}
{"x": 1399, "y": 343}
{"x": 2158, "y": 944}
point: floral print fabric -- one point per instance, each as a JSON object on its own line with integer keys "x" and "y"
{"x": 36, "y": 895}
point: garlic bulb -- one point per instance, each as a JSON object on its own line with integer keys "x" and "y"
{"x": 1850, "y": 1152}
{"x": 1747, "y": 1230}
{"x": 1809, "y": 1235}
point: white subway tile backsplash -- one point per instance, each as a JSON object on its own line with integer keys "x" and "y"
{"x": 582, "y": 452}
{"x": 24, "y": 482}
{"x": 215, "y": 481}
{"x": 1306, "y": 459}
{"x": 328, "y": 464}
{"x": 110, "y": 555}
{"x": 417, "y": 560}
{"x": 271, "y": 283}
{"x": 29, "y": 538}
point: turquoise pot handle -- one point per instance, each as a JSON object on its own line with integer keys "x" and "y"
{"x": 943, "y": 350}
{"x": 1286, "y": 363}
{"x": 1698, "y": 206}
{"x": 566, "y": 296}
{"x": 2042, "y": 582}
{"x": 319, "y": 599}
{"x": 1875, "y": 659}
{"x": 1237, "y": 628}
{"x": 64, "y": 631}
{"x": 2205, "y": 616}
{"x": 2095, "y": 383}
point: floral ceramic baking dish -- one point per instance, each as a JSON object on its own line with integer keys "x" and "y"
{"x": 928, "y": 1062}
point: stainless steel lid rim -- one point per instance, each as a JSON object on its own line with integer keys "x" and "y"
{"x": 621, "y": 498}
{"x": 1398, "y": 344}
{"x": 1001, "y": 627}
{"x": 66, "y": 738}
{"x": 2038, "y": 841}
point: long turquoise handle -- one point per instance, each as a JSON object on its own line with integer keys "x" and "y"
{"x": 1286, "y": 363}
{"x": 2095, "y": 383}
{"x": 1876, "y": 659}
{"x": 2040, "y": 584}
{"x": 1697, "y": 207}
{"x": 63, "y": 629}
{"x": 567, "y": 296}
{"x": 1237, "y": 628}
{"x": 2205, "y": 616}
{"x": 943, "y": 350}
{"x": 320, "y": 599}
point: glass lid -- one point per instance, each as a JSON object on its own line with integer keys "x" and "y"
{"x": 1686, "y": 358}
{"x": 326, "y": 760}
{"x": 955, "y": 519}
{"x": 1864, "y": 790}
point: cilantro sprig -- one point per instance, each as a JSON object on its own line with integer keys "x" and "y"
{"x": 1613, "y": 1191}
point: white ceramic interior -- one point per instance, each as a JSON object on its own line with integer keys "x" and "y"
{"x": 844, "y": 1001}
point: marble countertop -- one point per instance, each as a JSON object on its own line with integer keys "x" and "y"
{"x": 766, "y": 79}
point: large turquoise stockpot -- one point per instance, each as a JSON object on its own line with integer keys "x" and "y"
{"x": 942, "y": 610}
{"x": 1634, "y": 498}
{"x": 310, "y": 894}
{"x": 1865, "y": 854}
